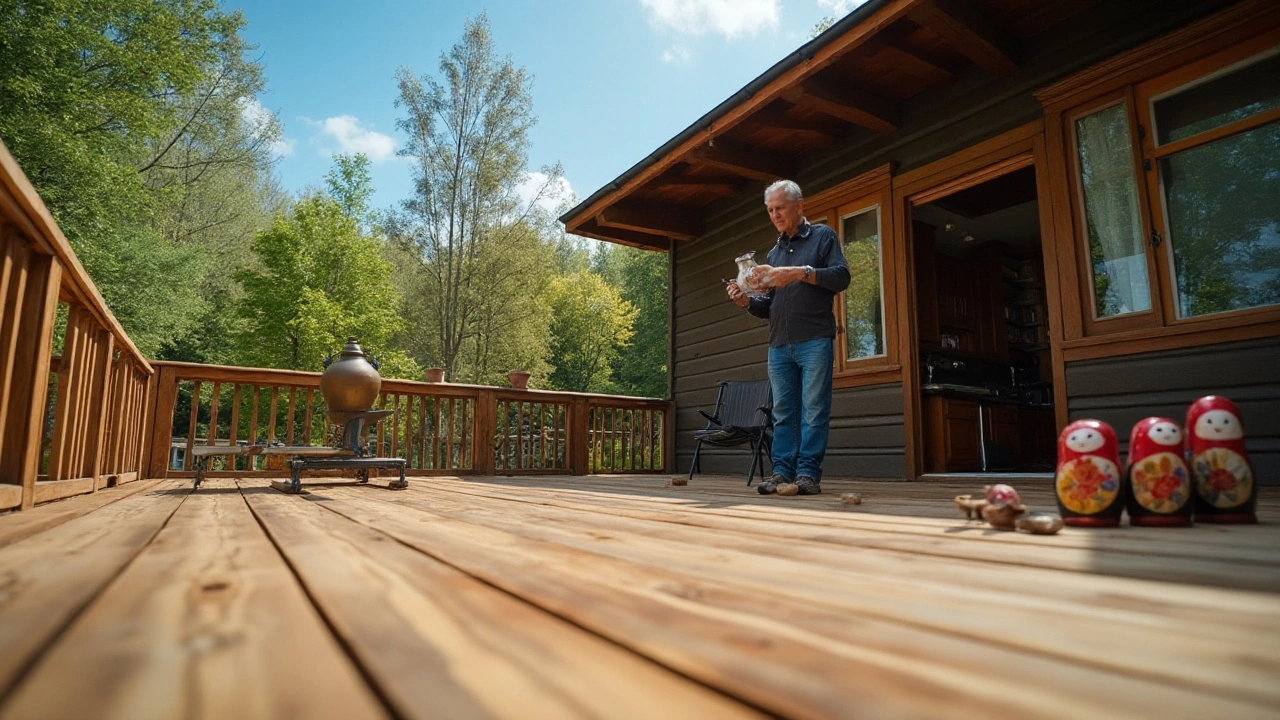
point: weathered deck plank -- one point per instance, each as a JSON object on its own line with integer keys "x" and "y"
{"x": 50, "y": 577}
{"x": 442, "y": 644}
{"x": 207, "y": 621}
{"x": 622, "y": 596}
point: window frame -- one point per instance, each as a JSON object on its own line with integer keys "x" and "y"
{"x": 1146, "y": 94}
{"x": 830, "y": 207}
{"x": 1138, "y": 90}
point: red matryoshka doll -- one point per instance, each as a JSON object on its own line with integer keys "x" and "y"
{"x": 1088, "y": 477}
{"x": 1159, "y": 491}
{"x": 1225, "y": 489}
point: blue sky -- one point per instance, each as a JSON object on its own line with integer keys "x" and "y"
{"x": 613, "y": 79}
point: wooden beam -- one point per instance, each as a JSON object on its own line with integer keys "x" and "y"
{"x": 855, "y": 106}
{"x": 970, "y": 34}
{"x": 748, "y": 162}
{"x": 717, "y": 187}
{"x": 652, "y": 219}
{"x": 910, "y": 59}
{"x": 775, "y": 117}
{"x": 620, "y": 236}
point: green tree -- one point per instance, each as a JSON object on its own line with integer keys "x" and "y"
{"x": 128, "y": 117}
{"x": 591, "y": 324}
{"x": 318, "y": 281}
{"x": 641, "y": 278}
{"x": 481, "y": 258}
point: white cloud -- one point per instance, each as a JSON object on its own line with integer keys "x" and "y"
{"x": 259, "y": 118}
{"x": 553, "y": 196}
{"x": 352, "y": 138}
{"x": 674, "y": 53}
{"x": 730, "y": 18}
{"x": 840, "y": 7}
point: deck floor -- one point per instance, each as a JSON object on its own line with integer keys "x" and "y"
{"x": 621, "y": 597}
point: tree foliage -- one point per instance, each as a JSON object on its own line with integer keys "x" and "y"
{"x": 481, "y": 263}
{"x": 641, "y": 278}
{"x": 591, "y": 324}
{"x": 318, "y": 281}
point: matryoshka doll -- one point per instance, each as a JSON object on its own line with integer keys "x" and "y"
{"x": 1225, "y": 489}
{"x": 1088, "y": 477}
{"x": 1159, "y": 485}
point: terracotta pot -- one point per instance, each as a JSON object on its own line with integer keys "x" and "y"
{"x": 350, "y": 383}
{"x": 519, "y": 379}
{"x": 435, "y": 375}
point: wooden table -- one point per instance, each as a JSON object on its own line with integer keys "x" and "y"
{"x": 566, "y": 597}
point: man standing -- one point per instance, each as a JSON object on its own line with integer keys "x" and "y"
{"x": 805, "y": 270}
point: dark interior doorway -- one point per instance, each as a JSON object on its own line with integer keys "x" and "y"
{"x": 986, "y": 375}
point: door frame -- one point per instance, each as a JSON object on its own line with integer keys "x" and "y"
{"x": 1013, "y": 150}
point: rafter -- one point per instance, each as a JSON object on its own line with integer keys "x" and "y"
{"x": 621, "y": 237}
{"x": 970, "y": 34}
{"x": 714, "y": 187}
{"x": 908, "y": 58}
{"x": 747, "y": 162}
{"x": 775, "y": 117}
{"x": 857, "y": 107}
{"x": 652, "y": 219}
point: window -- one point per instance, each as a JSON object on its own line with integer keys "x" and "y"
{"x": 1113, "y": 225}
{"x": 1177, "y": 192}
{"x": 864, "y": 299}
{"x": 1219, "y": 188}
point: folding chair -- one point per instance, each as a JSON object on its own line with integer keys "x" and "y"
{"x": 743, "y": 414}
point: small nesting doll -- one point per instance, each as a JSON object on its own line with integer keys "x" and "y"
{"x": 1225, "y": 489}
{"x": 1159, "y": 485}
{"x": 1088, "y": 477}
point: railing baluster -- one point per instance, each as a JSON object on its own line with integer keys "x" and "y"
{"x": 191, "y": 425}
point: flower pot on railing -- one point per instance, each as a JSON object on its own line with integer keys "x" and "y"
{"x": 435, "y": 375}
{"x": 519, "y": 379}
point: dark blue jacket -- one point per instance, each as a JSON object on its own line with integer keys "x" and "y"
{"x": 801, "y": 311}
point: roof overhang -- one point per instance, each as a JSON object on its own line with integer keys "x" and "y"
{"x": 853, "y": 78}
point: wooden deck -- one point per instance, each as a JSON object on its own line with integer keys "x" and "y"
{"x": 619, "y": 596}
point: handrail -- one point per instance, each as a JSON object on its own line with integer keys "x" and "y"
{"x": 439, "y": 428}
{"x": 96, "y": 423}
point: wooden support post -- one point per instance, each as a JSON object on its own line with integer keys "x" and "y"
{"x": 669, "y": 437}
{"x": 27, "y": 401}
{"x": 485, "y": 429}
{"x": 166, "y": 401}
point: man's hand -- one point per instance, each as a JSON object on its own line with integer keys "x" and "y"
{"x": 738, "y": 297}
{"x": 776, "y": 277}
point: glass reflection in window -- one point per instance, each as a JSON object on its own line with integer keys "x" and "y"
{"x": 863, "y": 308}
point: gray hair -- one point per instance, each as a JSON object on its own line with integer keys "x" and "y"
{"x": 787, "y": 187}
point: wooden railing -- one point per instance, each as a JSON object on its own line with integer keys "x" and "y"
{"x": 92, "y": 434}
{"x": 439, "y": 428}
{"x": 99, "y": 414}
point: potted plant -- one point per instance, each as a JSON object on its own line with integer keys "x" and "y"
{"x": 435, "y": 375}
{"x": 519, "y": 379}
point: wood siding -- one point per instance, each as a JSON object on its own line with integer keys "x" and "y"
{"x": 713, "y": 340}
{"x": 1121, "y": 391}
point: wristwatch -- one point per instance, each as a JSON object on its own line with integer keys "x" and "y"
{"x": 808, "y": 270}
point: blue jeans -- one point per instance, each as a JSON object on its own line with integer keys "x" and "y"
{"x": 800, "y": 375}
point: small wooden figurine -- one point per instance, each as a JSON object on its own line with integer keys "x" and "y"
{"x": 1040, "y": 523}
{"x": 1225, "y": 488}
{"x": 1159, "y": 485}
{"x": 1003, "y": 507}
{"x": 1088, "y": 477}
{"x": 971, "y": 506}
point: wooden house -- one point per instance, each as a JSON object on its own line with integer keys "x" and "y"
{"x": 1052, "y": 209}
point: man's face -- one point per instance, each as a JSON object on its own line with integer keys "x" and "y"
{"x": 784, "y": 213}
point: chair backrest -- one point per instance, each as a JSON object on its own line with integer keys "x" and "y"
{"x": 742, "y": 403}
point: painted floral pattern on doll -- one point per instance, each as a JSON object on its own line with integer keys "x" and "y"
{"x": 1088, "y": 484}
{"x": 1160, "y": 483}
{"x": 1223, "y": 477}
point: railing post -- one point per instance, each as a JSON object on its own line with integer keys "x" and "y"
{"x": 669, "y": 437}
{"x": 166, "y": 399}
{"x": 486, "y": 427}
{"x": 580, "y": 415}
{"x": 29, "y": 376}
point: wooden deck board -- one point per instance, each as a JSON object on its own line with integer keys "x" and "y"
{"x": 620, "y": 596}
{"x": 207, "y": 621}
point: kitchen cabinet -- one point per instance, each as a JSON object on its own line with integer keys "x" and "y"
{"x": 952, "y": 435}
{"x": 953, "y": 438}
